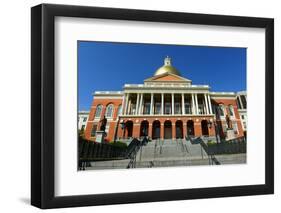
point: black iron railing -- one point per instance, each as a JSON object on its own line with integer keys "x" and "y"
{"x": 92, "y": 151}
{"x": 234, "y": 146}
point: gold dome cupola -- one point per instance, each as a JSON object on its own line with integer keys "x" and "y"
{"x": 167, "y": 68}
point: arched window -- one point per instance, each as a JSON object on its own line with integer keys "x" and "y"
{"x": 119, "y": 111}
{"x": 231, "y": 110}
{"x": 221, "y": 110}
{"x": 98, "y": 111}
{"x": 109, "y": 111}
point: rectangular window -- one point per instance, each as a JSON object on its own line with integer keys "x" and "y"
{"x": 133, "y": 109}
{"x": 177, "y": 108}
{"x": 94, "y": 129}
{"x": 201, "y": 109}
{"x": 167, "y": 108}
{"x": 146, "y": 109}
{"x": 235, "y": 127}
{"x": 187, "y": 107}
{"x": 84, "y": 119}
{"x": 157, "y": 109}
{"x": 83, "y": 127}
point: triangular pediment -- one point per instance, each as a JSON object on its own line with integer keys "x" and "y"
{"x": 167, "y": 77}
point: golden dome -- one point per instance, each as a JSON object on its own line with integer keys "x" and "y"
{"x": 167, "y": 68}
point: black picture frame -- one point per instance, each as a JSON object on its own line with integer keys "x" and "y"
{"x": 43, "y": 102}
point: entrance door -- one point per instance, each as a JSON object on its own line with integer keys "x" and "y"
{"x": 167, "y": 130}
{"x": 204, "y": 127}
{"x": 156, "y": 130}
{"x": 190, "y": 128}
{"x": 129, "y": 128}
{"x": 144, "y": 128}
{"x": 179, "y": 130}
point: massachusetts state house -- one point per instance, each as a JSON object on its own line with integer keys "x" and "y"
{"x": 165, "y": 106}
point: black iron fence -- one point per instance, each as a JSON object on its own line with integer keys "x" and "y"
{"x": 235, "y": 146}
{"x": 91, "y": 151}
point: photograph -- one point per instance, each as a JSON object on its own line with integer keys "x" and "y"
{"x": 143, "y": 105}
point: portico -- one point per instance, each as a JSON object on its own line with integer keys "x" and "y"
{"x": 156, "y": 103}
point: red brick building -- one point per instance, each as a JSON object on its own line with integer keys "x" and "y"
{"x": 165, "y": 106}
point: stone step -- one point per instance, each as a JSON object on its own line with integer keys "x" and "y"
{"x": 171, "y": 163}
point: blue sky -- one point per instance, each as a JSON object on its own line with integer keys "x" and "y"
{"x": 108, "y": 66}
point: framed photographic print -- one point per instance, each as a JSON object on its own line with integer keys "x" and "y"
{"x": 136, "y": 106}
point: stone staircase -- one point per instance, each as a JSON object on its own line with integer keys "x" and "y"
{"x": 162, "y": 153}
{"x": 165, "y": 153}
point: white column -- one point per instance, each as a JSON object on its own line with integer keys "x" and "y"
{"x": 151, "y": 104}
{"x": 193, "y": 104}
{"x": 196, "y": 103}
{"x": 173, "y": 104}
{"x": 206, "y": 104}
{"x": 140, "y": 104}
{"x": 239, "y": 97}
{"x": 210, "y": 104}
{"x": 162, "y": 103}
{"x": 129, "y": 106}
{"x": 123, "y": 104}
{"x": 126, "y": 104}
{"x": 182, "y": 104}
{"x": 137, "y": 105}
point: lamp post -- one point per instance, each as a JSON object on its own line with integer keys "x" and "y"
{"x": 209, "y": 124}
{"x": 116, "y": 129}
{"x": 123, "y": 126}
{"x": 216, "y": 132}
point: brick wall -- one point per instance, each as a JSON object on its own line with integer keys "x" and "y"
{"x": 111, "y": 122}
{"x": 226, "y": 103}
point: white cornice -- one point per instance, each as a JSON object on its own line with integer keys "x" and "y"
{"x": 108, "y": 93}
{"x": 165, "y": 116}
{"x": 140, "y": 88}
{"x": 83, "y": 112}
{"x": 241, "y": 93}
{"x": 242, "y": 110}
{"x": 225, "y": 95}
{"x": 165, "y": 85}
{"x": 107, "y": 97}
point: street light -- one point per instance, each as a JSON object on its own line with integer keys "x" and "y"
{"x": 123, "y": 126}
{"x": 216, "y": 132}
{"x": 209, "y": 124}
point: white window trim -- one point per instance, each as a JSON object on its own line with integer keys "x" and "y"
{"x": 112, "y": 112}
{"x": 222, "y": 117}
{"x": 97, "y": 117}
{"x": 229, "y": 106}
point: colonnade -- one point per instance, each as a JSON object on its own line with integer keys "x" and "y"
{"x": 139, "y": 104}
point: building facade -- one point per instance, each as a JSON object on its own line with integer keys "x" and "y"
{"x": 165, "y": 106}
{"x": 242, "y": 109}
{"x": 83, "y": 119}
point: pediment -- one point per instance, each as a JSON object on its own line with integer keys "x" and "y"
{"x": 167, "y": 77}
